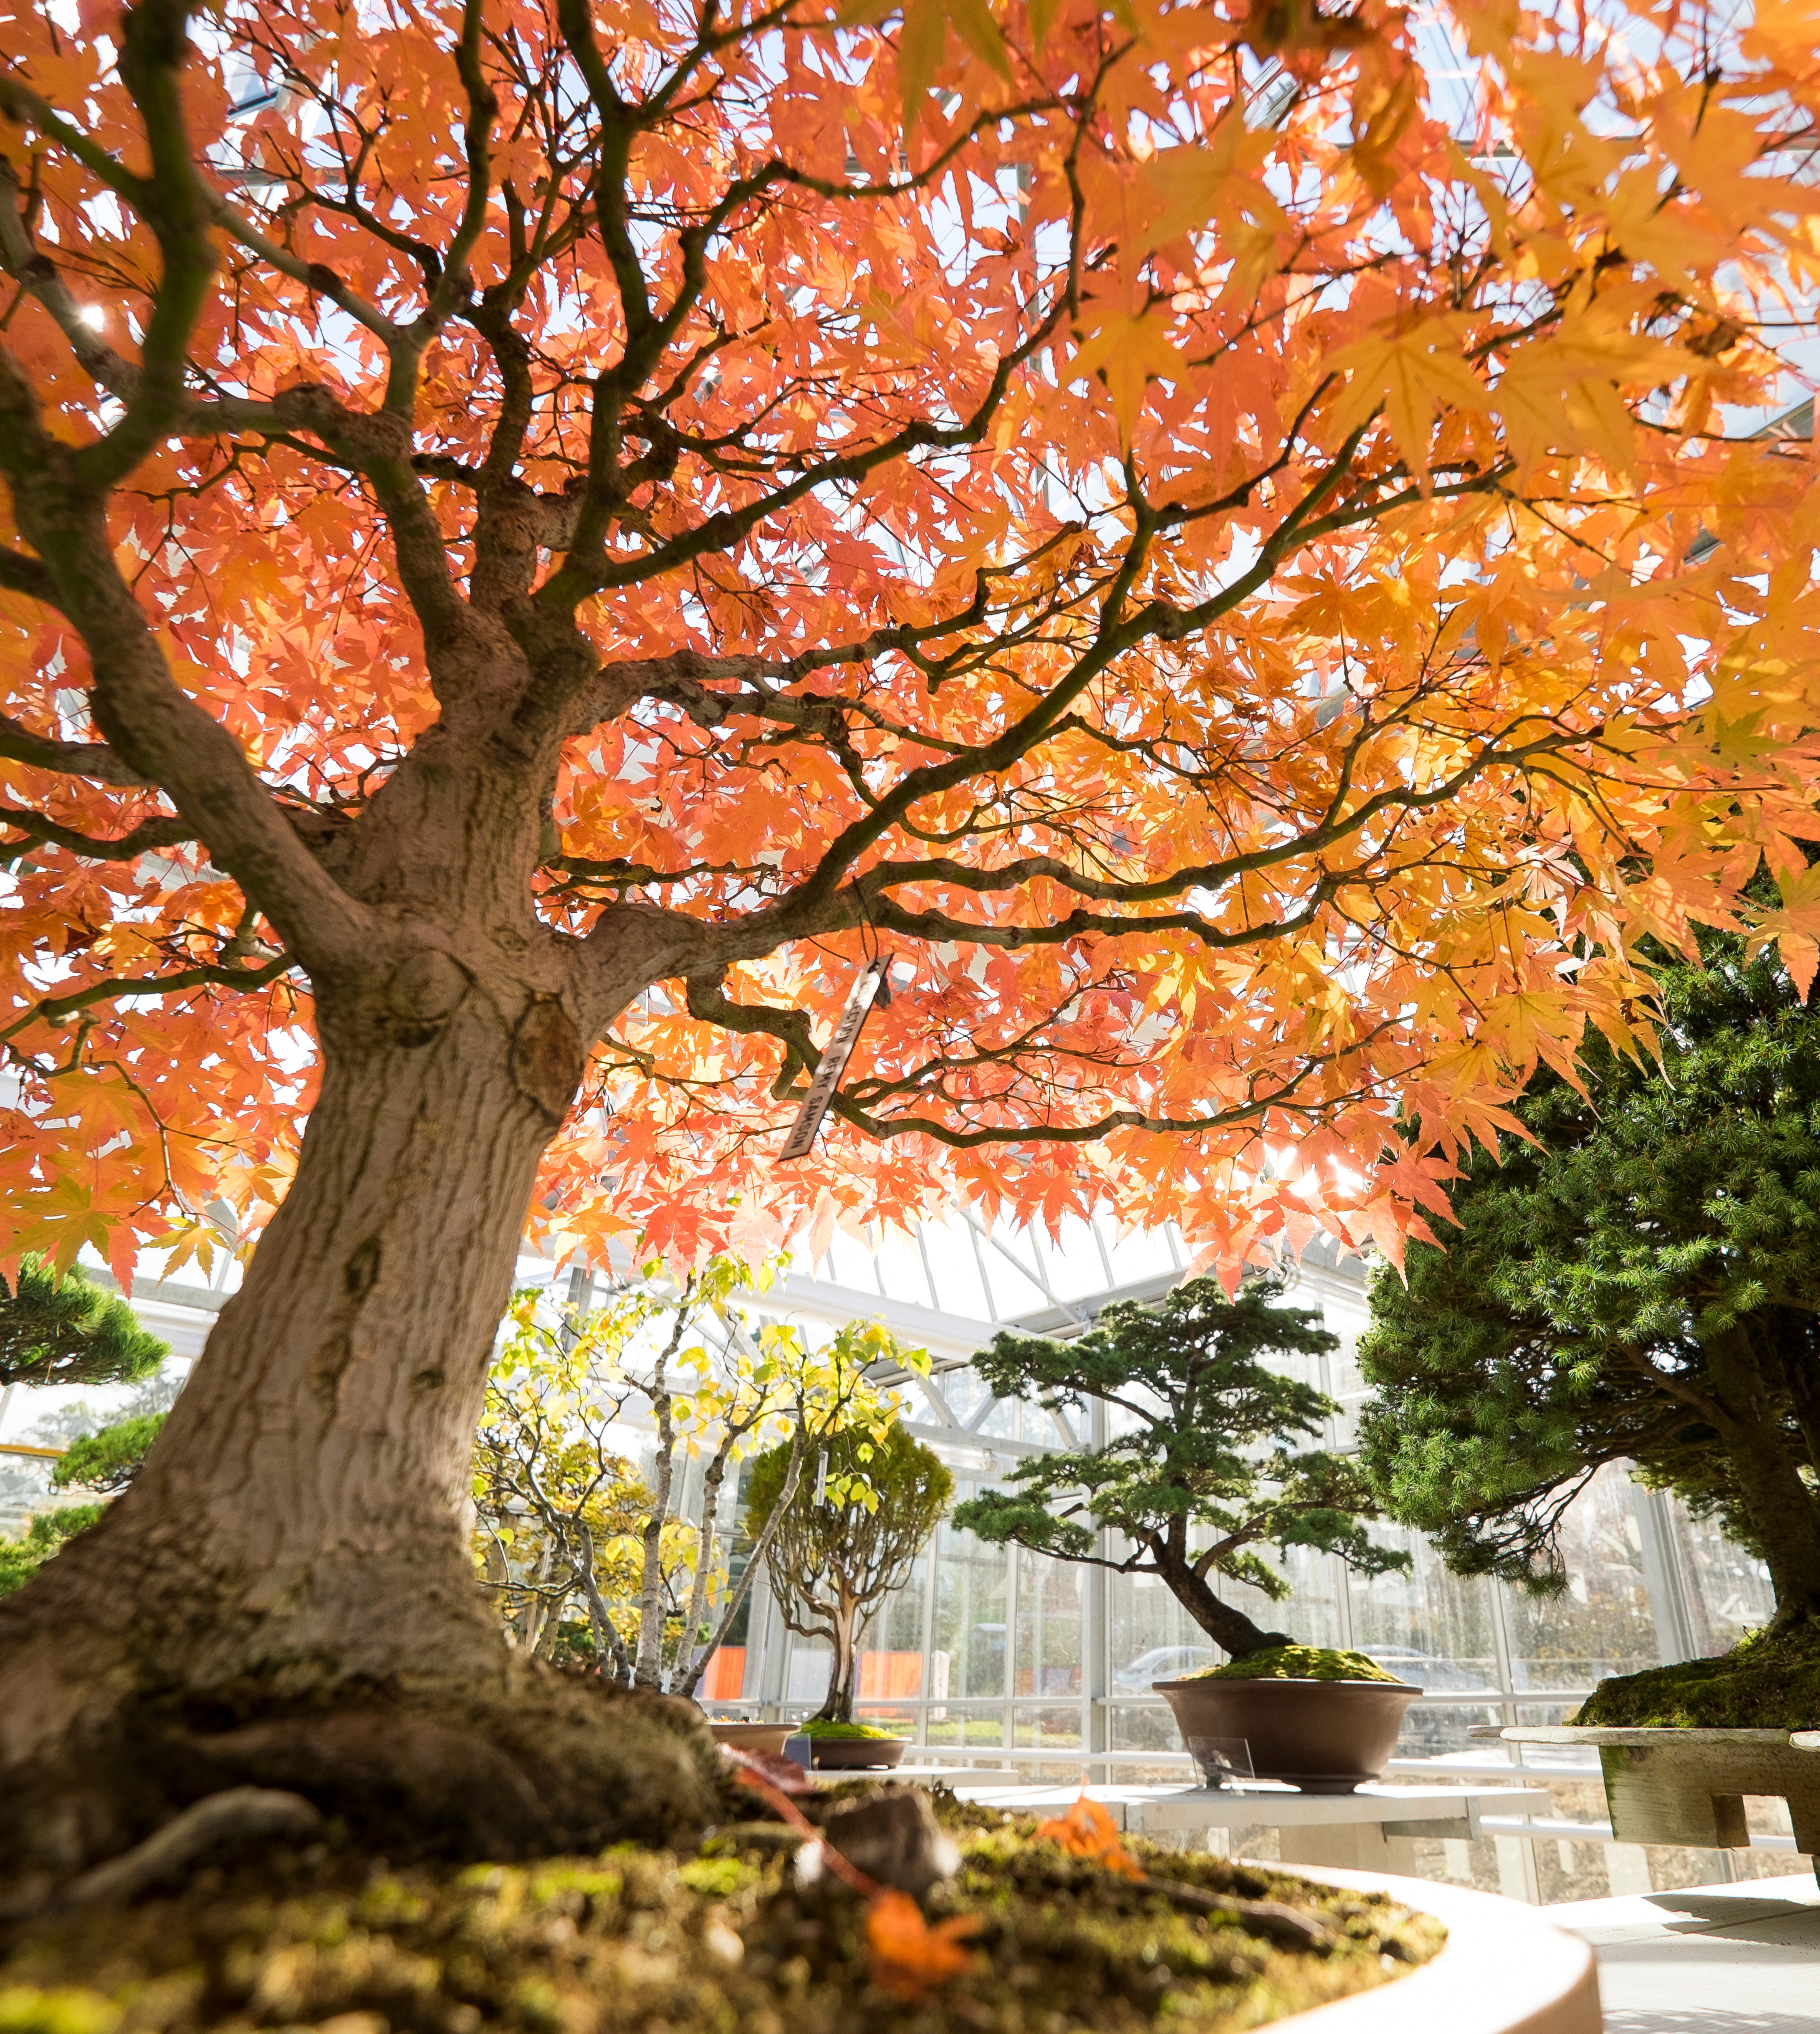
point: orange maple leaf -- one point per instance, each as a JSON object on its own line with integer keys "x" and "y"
{"x": 908, "y": 1956}
{"x": 1088, "y": 1830}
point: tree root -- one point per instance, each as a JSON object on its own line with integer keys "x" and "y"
{"x": 221, "y": 1818}
{"x": 543, "y": 1765}
{"x": 1270, "y": 1919}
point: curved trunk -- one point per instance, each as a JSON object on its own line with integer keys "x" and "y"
{"x": 843, "y": 1670}
{"x": 1229, "y": 1628}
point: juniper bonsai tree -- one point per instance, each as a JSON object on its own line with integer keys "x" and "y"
{"x": 846, "y": 1538}
{"x": 65, "y": 1330}
{"x": 1640, "y": 1282}
{"x": 1208, "y": 1438}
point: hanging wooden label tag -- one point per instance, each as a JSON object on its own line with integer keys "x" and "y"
{"x": 833, "y": 1059}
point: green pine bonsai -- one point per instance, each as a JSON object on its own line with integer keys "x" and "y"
{"x": 68, "y": 1330}
{"x": 1203, "y": 1434}
{"x": 846, "y": 1538}
{"x": 1641, "y": 1282}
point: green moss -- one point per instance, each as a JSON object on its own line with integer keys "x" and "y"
{"x": 1763, "y": 1683}
{"x": 1297, "y": 1663}
{"x": 66, "y": 2010}
{"x": 821, "y": 1727}
{"x": 729, "y": 1943}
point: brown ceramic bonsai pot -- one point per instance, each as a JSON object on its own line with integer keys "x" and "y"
{"x": 1324, "y": 1737}
{"x": 855, "y": 1754}
{"x": 765, "y": 1737}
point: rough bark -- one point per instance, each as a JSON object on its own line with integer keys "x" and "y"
{"x": 1780, "y": 1504}
{"x": 285, "y": 1595}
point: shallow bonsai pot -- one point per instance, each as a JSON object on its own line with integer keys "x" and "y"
{"x": 765, "y": 1737}
{"x": 855, "y": 1754}
{"x": 1503, "y": 1969}
{"x": 1324, "y": 1737}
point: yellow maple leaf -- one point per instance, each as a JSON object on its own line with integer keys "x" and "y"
{"x": 1128, "y": 349}
{"x": 1411, "y": 375}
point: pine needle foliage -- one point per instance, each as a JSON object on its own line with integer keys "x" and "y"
{"x": 1205, "y": 1462}
{"x": 67, "y": 1330}
{"x": 1637, "y": 1282}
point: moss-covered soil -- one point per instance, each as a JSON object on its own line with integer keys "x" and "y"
{"x": 1763, "y": 1684}
{"x": 725, "y": 1942}
{"x": 822, "y": 1727}
{"x": 1297, "y": 1663}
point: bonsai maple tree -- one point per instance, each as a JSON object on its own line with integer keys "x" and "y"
{"x": 537, "y": 539}
{"x": 1202, "y": 1463}
{"x": 1632, "y": 1280}
{"x": 836, "y": 1547}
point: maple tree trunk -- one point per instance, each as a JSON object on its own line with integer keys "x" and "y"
{"x": 297, "y": 1546}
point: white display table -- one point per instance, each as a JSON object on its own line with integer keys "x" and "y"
{"x": 1354, "y": 1832}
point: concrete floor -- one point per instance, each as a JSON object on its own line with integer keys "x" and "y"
{"x": 1741, "y": 1959}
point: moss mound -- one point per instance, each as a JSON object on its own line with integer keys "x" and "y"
{"x": 822, "y": 1727}
{"x": 1764, "y": 1683}
{"x": 1297, "y": 1663}
{"x": 723, "y": 1941}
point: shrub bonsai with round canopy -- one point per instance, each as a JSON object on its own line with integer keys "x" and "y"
{"x": 846, "y": 1540}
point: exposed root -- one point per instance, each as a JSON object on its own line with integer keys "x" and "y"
{"x": 223, "y": 1818}
{"x": 549, "y": 1765}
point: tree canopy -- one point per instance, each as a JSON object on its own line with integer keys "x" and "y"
{"x": 1152, "y": 515}
{"x": 1634, "y": 1279}
{"x": 64, "y": 1328}
{"x": 1203, "y": 1462}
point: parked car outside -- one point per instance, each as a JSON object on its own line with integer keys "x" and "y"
{"x": 1161, "y": 1663}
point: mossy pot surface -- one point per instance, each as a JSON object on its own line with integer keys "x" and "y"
{"x": 1298, "y": 1663}
{"x": 730, "y": 1940}
{"x": 1764, "y": 1683}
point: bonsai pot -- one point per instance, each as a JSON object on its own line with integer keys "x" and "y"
{"x": 1324, "y": 1737}
{"x": 855, "y": 1754}
{"x": 1504, "y": 1969}
{"x": 765, "y": 1737}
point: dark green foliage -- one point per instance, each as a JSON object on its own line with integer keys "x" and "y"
{"x": 68, "y": 1331}
{"x": 110, "y": 1460}
{"x": 21, "y": 1559}
{"x": 1766, "y": 1684}
{"x": 848, "y": 1538}
{"x": 1642, "y": 1282}
{"x": 1204, "y": 1434}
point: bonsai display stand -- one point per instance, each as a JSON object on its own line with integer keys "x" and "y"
{"x": 1683, "y": 1786}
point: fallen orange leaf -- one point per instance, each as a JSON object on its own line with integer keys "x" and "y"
{"x": 908, "y": 1956}
{"x": 1088, "y": 1830}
